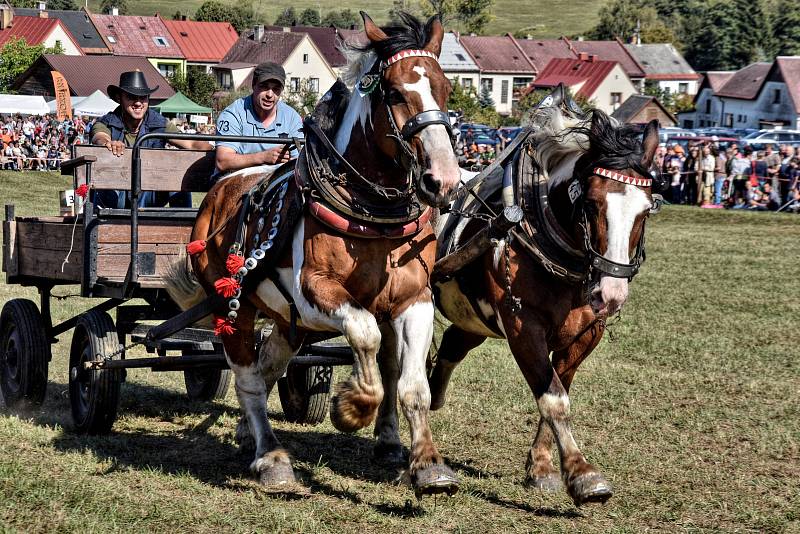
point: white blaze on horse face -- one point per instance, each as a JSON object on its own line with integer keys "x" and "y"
{"x": 444, "y": 165}
{"x": 621, "y": 212}
{"x": 358, "y": 111}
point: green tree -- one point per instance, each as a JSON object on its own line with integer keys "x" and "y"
{"x": 485, "y": 99}
{"x": 304, "y": 100}
{"x": 754, "y": 32}
{"x": 18, "y": 56}
{"x": 121, "y": 5}
{"x": 714, "y": 38}
{"x": 309, "y": 17}
{"x": 341, "y": 19}
{"x": 786, "y": 28}
{"x": 195, "y": 84}
{"x": 471, "y": 15}
{"x": 620, "y": 18}
{"x": 241, "y": 16}
{"x": 400, "y": 6}
{"x": 51, "y": 4}
{"x": 288, "y": 17}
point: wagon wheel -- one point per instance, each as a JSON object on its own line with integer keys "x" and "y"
{"x": 24, "y": 356}
{"x": 304, "y": 393}
{"x": 206, "y": 384}
{"x": 94, "y": 395}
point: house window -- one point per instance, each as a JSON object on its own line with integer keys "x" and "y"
{"x": 683, "y": 88}
{"x": 616, "y": 98}
{"x": 305, "y": 58}
{"x": 487, "y": 84}
{"x": 294, "y": 85}
{"x": 727, "y": 120}
{"x": 111, "y": 39}
{"x": 519, "y": 85}
{"x": 460, "y": 57}
{"x": 708, "y": 106}
{"x": 466, "y": 83}
{"x": 167, "y": 69}
{"x": 224, "y": 79}
{"x": 313, "y": 85}
{"x": 776, "y": 96}
{"x": 504, "y": 92}
{"x": 58, "y": 44}
{"x": 160, "y": 41}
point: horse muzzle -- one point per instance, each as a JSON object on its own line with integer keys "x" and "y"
{"x": 608, "y": 297}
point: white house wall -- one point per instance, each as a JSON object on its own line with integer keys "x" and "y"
{"x": 745, "y": 113}
{"x": 616, "y": 82}
{"x": 316, "y": 67}
{"x": 58, "y": 34}
{"x": 674, "y": 86}
{"x": 497, "y": 85}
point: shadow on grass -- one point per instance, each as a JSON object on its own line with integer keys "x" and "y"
{"x": 524, "y": 507}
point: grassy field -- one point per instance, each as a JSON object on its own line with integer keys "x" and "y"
{"x": 541, "y": 18}
{"x": 691, "y": 412}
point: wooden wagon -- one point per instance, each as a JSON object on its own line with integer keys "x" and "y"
{"x": 118, "y": 255}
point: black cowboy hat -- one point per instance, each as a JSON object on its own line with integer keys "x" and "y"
{"x": 133, "y": 83}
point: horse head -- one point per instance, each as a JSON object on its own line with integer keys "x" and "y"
{"x": 407, "y": 113}
{"x": 616, "y": 200}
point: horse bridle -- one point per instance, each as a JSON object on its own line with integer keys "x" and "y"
{"x": 402, "y": 136}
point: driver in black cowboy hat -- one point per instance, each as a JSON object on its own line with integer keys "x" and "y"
{"x": 130, "y": 120}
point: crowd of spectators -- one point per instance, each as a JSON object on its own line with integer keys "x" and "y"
{"x": 733, "y": 177}
{"x": 39, "y": 143}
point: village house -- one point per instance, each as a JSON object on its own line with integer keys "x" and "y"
{"x": 37, "y": 30}
{"x": 326, "y": 40}
{"x": 457, "y": 64}
{"x": 641, "y": 109}
{"x": 77, "y": 23}
{"x": 665, "y": 68}
{"x": 128, "y": 35}
{"x": 603, "y": 83}
{"x": 203, "y": 44}
{"x": 761, "y": 95}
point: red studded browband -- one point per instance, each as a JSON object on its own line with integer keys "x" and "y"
{"x": 407, "y": 53}
{"x": 632, "y": 180}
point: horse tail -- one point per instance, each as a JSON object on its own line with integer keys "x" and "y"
{"x": 182, "y": 285}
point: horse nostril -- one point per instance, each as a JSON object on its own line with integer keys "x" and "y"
{"x": 431, "y": 184}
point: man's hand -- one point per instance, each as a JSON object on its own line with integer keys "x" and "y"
{"x": 279, "y": 154}
{"x": 116, "y": 147}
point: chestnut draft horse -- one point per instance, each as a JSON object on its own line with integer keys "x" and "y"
{"x": 345, "y": 268}
{"x": 585, "y": 189}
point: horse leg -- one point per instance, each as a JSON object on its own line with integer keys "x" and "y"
{"x": 528, "y": 343}
{"x": 539, "y": 469}
{"x": 455, "y": 345}
{"x": 271, "y": 463}
{"x": 414, "y": 330}
{"x": 388, "y": 447}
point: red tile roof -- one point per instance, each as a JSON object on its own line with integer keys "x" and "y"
{"x": 202, "y": 41}
{"x": 541, "y": 52}
{"x": 499, "y": 54}
{"x": 572, "y": 72}
{"x": 86, "y": 74}
{"x": 136, "y": 36}
{"x": 33, "y": 29}
{"x": 746, "y": 83}
{"x": 610, "y": 51}
{"x": 274, "y": 46}
{"x": 790, "y": 71}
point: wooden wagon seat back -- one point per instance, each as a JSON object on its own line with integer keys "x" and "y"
{"x": 162, "y": 169}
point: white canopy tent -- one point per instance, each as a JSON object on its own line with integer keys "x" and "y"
{"x": 23, "y": 104}
{"x": 74, "y": 99}
{"x": 96, "y": 104}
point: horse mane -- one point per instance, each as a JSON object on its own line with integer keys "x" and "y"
{"x": 410, "y": 33}
{"x": 562, "y": 139}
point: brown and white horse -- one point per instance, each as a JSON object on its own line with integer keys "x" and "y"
{"x": 599, "y": 193}
{"x": 374, "y": 291}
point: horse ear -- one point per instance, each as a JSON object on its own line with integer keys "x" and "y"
{"x": 649, "y": 143}
{"x": 437, "y": 34}
{"x": 600, "y": 123}
{"x": 374, "y": 33}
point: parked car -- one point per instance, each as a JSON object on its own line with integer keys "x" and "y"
{"x": 665, "y": 133}
{"x": 758, "y": 140}
{"x": 686, "y": 140}
{"x": 481, "y": 133}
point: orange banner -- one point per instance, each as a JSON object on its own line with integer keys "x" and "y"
{"x": 63, "y": 102}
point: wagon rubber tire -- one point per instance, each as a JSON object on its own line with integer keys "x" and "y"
{"x": 24, "y": 354}
{"x": 304, "y": 393}
{"x": 206, "y": 384}
{"x": 94, "y": 395}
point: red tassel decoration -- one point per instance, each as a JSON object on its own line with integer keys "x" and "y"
{"x": 196, "y": 247}
{"x": 234, "y": 263}
{"x": 223, "y": 327}
{"x": 227, "y": 287}
{"x": 82, "y": 190}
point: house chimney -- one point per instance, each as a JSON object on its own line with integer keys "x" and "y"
{"x": 592, "y": 58}
{"x": 115, "y": 11}
{"x": 286, "y": 29}
{"x": 583, "y": 56}
{"x": 42, "y": 7}
{"x": 258, "y": 32}
{"x": 6, "y": 16}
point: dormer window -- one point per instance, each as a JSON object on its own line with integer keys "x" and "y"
{"x": 460, "y": 57}
{"x": 111, "y": 39}
{"x": 160, "y": 41}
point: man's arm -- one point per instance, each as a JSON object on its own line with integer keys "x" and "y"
{"x": 101, "y": 135}
{"x": 190, "y": 145}
{"x": 228, "y": 159}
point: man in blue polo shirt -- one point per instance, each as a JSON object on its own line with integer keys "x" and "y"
{"x": 260, "y": 114}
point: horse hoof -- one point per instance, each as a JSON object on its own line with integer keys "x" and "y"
{"x": 278, "y": 474}
{"x": 550, "y": 482}
{"x": 590, "y": 488}
{"x": 390, "y": 454}
{"x": 435, "y": 479}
